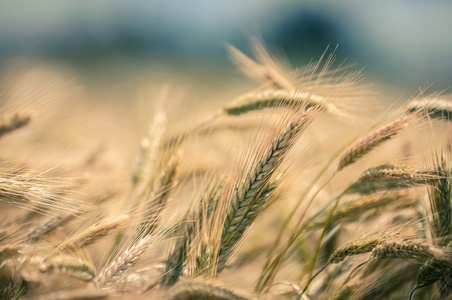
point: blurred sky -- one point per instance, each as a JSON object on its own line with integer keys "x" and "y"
{"x": 405, "y": 43}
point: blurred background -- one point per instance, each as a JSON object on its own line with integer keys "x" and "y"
{"x": 127, "y": 60}
{"x": 406, "y": 44}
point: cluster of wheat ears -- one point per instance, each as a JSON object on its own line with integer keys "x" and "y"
{"x": 267, "y": 227}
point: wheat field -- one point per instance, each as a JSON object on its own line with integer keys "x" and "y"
{"x": 294, "y": 189}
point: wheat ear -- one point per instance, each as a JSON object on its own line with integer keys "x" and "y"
{"x": 435, "y": 108}
{"x": 432, "y": 271}
{"x": 159, "y": 196}
{"x": 386, "y": 177}
{"x": 371, "y": 141}
{"x": 48, "y": 226}
{"x": 417, "y": 250}
{"x": 189, "y": 229}
{"x": 440, "y": 202}
{"x": 244, "y": 204}
{"x": 350, "y": 210}
{"x": 93, "y": 233}
{"x": 76, "y": 267}
{"x": 150, "y": 144}
{"x": 10, "y": 123}
{"x": 124, "y": 262}
{"x": 202, "y": 290}
{"x": 354, "y": 248}
{"x": 276, "y": 98}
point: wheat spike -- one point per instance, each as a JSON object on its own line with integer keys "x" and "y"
{"x": 276, "y": 98}
{"x": 76, "y": 267}
{"x": 189, "y": 229}
{"x": 440, "y": 202}
{"x": 350, "y": 210}
{"x": 159, "y": 196}
{"x": 48, "y": 226}
{"x": 387, "y": 177}
{"x": 93, "y": 233}
{"x": 354, "y": 248}
{"x": 417, "y": 250}
{"x": 432, "y": 271}
{"x": 244, "y": 202}
{"x": 202, "y": 290}
{"x": 10, "y": 123}
{"x": 435, "y": 108}
{"x": 370, "y": 141}
{"x": 150, "y": 144}
{"x": 124, "y": 262}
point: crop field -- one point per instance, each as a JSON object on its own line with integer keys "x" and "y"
{"x": 307, "y": 185}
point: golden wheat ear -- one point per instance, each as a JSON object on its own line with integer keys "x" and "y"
{"x": 204, "y": 290}
{"x": 113, "y": 271}
{"x": 190, "y": 232}
{"x": 388, "y": 177}
{"x": 267, "y": 69}
{"x": 9, "y": 123}
{"x": 79, "y": 267}
{"x": 156, "y": 197}
{"x": 93, "y": 234}
{"x": 38, "y": 193}
{"x": 435, "y": 107}
{"x": 371, "y": 140}
{"x": 339, "y": 90}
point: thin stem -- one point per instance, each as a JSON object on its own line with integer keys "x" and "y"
{"x": 416, "y": 287}
{"x": 354, "y": 270}
{"x": 292, "y": 238}
{"x": 311, "y": 279}
{"x": 325, "y": 227}
{"x": 270, "y": 261}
